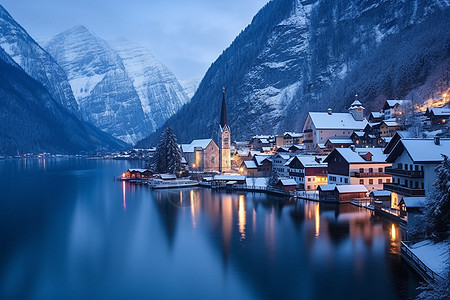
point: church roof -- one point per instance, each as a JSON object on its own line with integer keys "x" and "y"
{"x": 223, "y": 112}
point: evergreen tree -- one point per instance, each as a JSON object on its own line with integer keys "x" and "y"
{"x": 273, "y": 179}
{"x": 167, "y": 158}
{"x": 437, "y": 211}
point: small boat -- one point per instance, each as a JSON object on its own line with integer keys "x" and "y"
{"x": 168, "y": 184}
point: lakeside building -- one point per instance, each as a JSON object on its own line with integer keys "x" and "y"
{"x": 308, "y": 171}
{"x": 201, "y": 155}
{"x": 278, "y": 163}
{"x": 319, "y": 127}
{"x": 358, "y": 166}
{"x": 341, "y": 193}
{"x": 413, "y": 167}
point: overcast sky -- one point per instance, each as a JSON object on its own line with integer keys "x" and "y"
{"x": 186, "y": 35}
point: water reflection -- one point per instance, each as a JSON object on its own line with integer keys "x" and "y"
{"x": 69, "y": 238}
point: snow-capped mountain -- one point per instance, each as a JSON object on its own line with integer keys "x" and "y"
{"x": 159, "y": 91}
{"x": 124, "y": 91}
{"x": 190, "y": 86}
{"x": 303, "y": 55}
{"x": 36, "y": 62}
{"x": 101, "y": 86}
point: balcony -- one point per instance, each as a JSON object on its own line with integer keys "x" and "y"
{"x": 365, "y": 175}
{"x": 404, "y": 173}
{"x": 404, "y": 190}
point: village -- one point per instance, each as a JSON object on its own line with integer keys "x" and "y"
{"x": 373, "y": 160}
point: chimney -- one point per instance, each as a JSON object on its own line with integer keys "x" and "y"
{"x": 330, "y": 111}
{"x": 437, "y": 140}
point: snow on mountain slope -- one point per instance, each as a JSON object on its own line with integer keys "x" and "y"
{"x": 190, "y": 86}
{"x": 160, "y": 92}
{"x": 36, "y": 62}
{"x": 102, "y": 88}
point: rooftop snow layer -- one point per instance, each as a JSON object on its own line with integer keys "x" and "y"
{"x": 423, "y": 150}
{"x": 336, "y": 121}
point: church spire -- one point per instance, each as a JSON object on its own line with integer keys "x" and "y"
{"x": 223, "y": 113}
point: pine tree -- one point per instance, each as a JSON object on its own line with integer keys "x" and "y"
{"x": 274, "y": 178}
{"x": 437, "y": 211}
{"x": 167, "y": 157}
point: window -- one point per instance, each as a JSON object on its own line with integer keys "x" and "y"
{"x": 388, "y": 180}
{"x": 340, "y": 179}
{"x": 346, "y": 180}
{"x": 380, "y": 170}
{"x": 370, "y": 181}
{"x": 400, "y": 166}
{"x": 370, "y": 170}
{"x": 416, "y": 185}
{"x": 422, "y": 185}
{"x": 309, "y": 179}
{"x": 361, "y": 181}
{"x": 380, "y": 181}
{"x": 212, "y": 159}
{"x": 416, "y": 168}
{"x": 309, "y": 187}
{"x": 361, "y": 170}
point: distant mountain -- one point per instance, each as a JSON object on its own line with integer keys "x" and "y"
{"x": 297, "y": 56}
{"x": 190, "y": 86}
{"x": 160, "y": 92}
{"x": 31, "y": 120}
{"x": 125, "y": 92}
{"x": 36, "y": 62}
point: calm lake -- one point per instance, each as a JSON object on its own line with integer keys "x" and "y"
{"x": 68, "y": 230}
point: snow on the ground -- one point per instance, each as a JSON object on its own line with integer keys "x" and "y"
{"x": 435, "y": 256}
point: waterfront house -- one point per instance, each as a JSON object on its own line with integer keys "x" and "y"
{"x": 137, "y": 174}
{"x": 381, "y": 199}
{"x": 201, "y": 155}
{"x": 358, "y": 166}
{"x": 412, "y": 208}
{"x": 308, "y": 171}
{"x": 319, "y": 127}
{"x": 413, "y": 167}
{"x": 278, "y": 164}
{"x": 263, "y": 165}
{"x": 286, "y": 184}
{"x": 341, "y": 193}
{"x": 248, "y": 168}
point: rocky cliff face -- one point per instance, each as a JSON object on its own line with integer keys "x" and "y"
{"x": 35, "y": 61}
{"x": 124, "y": 91}
{"x": 298, "y": 56}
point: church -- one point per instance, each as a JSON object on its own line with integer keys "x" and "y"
{"x": 205, "y": 155}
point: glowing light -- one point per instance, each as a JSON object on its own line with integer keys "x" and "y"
{"x": 241, "y": 170}
{"x": 193, "y": 165}
{"x": 124, "y": 201}
{"x": 317, "y": 219}
{"x": 393, "y": 232}
{"x": 242, "y": 216}
{"x": 193, "y": 209}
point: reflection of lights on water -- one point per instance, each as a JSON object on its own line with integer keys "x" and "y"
{"x": 393, "y": 232}
{"x": 242, "y": 216}
{"x": 317, "y": 219}
{"x": 181, "y": 198}
{"x": 193, "y": 209}
{"x": 124, "y": 199}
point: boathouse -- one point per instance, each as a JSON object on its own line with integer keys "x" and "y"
{"x": 341, "y": 193}
{"x": 137, "y": 174}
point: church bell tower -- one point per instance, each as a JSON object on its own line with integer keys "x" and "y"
{"x": 224, "y": 139}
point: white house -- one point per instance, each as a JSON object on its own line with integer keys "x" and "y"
{"x": 308, "y": 171}
{"x": 320, "y": 126}
{"x": 413, "y": 163}
{"x": 358, "y": 166}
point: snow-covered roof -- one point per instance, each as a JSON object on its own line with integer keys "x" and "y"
{"x": 257, "y": 181}
{"x": 309, "y": 161}
{"x": 340, "y": 141}
{"x": 293, "y": 134}
{"x": 355, "y": 156}
{"x": 411, "y": 202}
{"x": 243, "y": 152}
{"x": 203, "y": 143}
{"x": 439, "y": 111}
{"x": 421, "y": 150}
{"x": 392, "y": 103}
{"x": 231, "y": 182}
{"x": 229, "y": 177}
{"x": 321, "y": 146}
{"x": 359, "y": 133}
{"x": 326, "y": 187}
{"x": 260, "y": 158}
{"x": 336, "y": 121}
{"x": 138, "y": 170}
{"x": 266, "y": 149}
{"x": 282, "y": 156}
{"x": 351, "y": 188}
{"x": 253, "y": 153}
{"x": 380, "y": 193}
{"x": 287, "y": 181}
{"x": 250, "y": 164}
{"x": 377, "y": 115}
{"x": 391, "y": 123}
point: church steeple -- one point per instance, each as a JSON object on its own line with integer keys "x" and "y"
{"x": 223, "y": 113}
